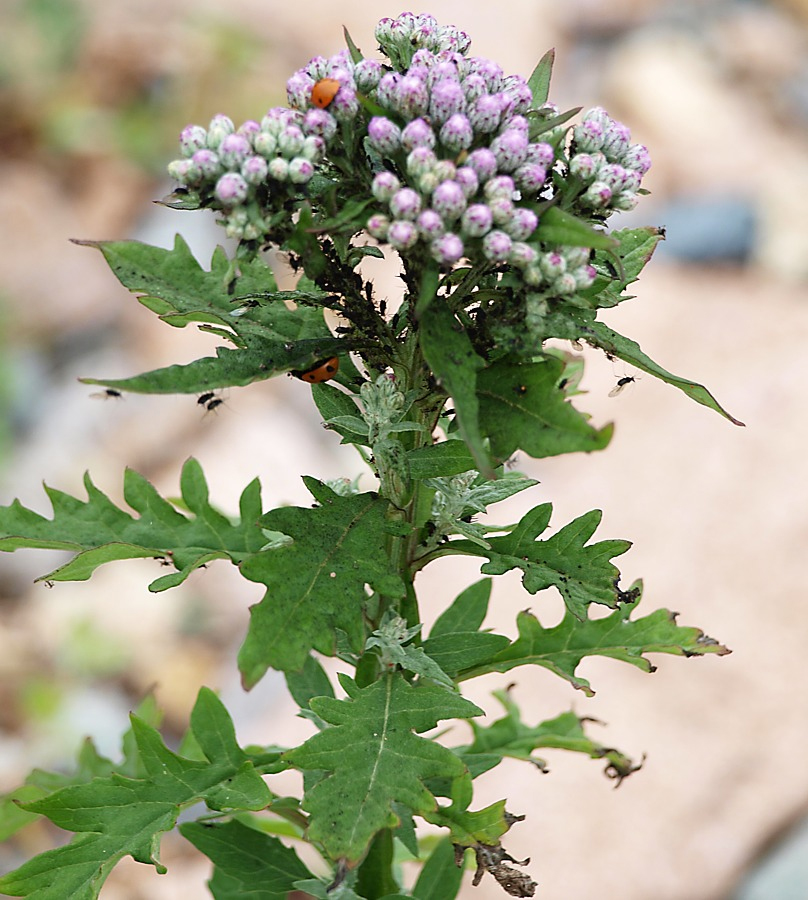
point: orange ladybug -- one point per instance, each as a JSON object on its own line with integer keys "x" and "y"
{"x": 323, "y": 371}
{"x": 324, "y": 92}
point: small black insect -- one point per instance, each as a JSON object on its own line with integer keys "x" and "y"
{"x": 214, "y": 404}
{"x": 621, "y": 383}
{"x": 107, "y": 394}
{"x": 202, "y": 399}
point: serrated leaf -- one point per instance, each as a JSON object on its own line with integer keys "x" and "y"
{"x": 247, "y": 862}
{"x": 510, "y": 737}
{"x": 522, "y": 408}
{"x": 375, "y": 758}
{"x": 561, "y": 648}
{"x": 539, "y": 81}
{"x": 98, "y": 531}
{"x": 559, "y": 227}
{"x": 471, "y": 827}
{"x": 624, "y": 348}
{"x": 455, "y": 365}
{"x": 582, "y": 573}
{"x": 316, "y": 586}
{"x": 440, "y": 460}
{"x": 270, "y": 338}
{"x": 467, "y": 612}
{"x": 118, "y": 816}
{"x": 635, "y": 248}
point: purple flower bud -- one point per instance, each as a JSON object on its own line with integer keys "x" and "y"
{"x": 233, "y": 150}
{"x": 510, "y": 149}
{"x": 402, "y": 235}
{"x": 345, "y": 106}
{"x": 405, "y": 204}
{"x": 530, "y": 177}
{"x": 249, "y": 129}
{"x": 279, "y": 117}
{"x": 367, "y": 74}
{"x": 448, "y": 200}
{"x": 517, "y": 123}
{"x": 444, "y": 170}
{"x": 588, "y": 136}
{"x": 637, "y": 159}
{"x": 430, "y": 225}
{"x": 583, "y": 166}
{"x": 616, "y": 140}
{"x": 382, "y": 31}
{"x": 290, "y": 141}
{"x": 266, "y": 144}
{"x": 456, "y": 133}
{"x": 466, "y": 177}
{"x": 576, "y": 256}
{"x": 298, "y": 90}
{"x": 387, "y": 91}
{"x": 483, "y": 162}
{"x": 446, "y": 100}
{"x": 565, "y": 284}
{"x": 625, "y": 201}
{"x": 313, "y": 148}
{"x": 316, "y": 68}
{"x": 486, "y": 113}
{"x": 490, "y": 71}
{"x": 377, "y": 226}
{"x": 383, "y": 135}
{"x": 501, "y": 209}
{"x": 597, "y": 195}
{"x": 384, "y": 185}
{"x": 532, "y": 275}
{"x": 420, "y": 161}
{"x": 522, "y": 223}
{"x": 447, "y": 249}
{"x": 614, "y": 175}
{"x": 552, "y": 265}
{"x": 417, "y": 134}
{"x": 474, "y": 87}
{"x": 584, "y": 277}
{"x": 278, "y": 168}
{"x": 220, "y": 127}
{"x": 300, "y": 170}
{"x": 231, "y": 189}
{"x": 192, "y": 138}
{"x": 254, "y": 169}
{"x": 522, "y": 255}
{"x": 477, "y": 220}
{"x": 497, "y": 246}
{"x": 501, "y": 186}
{"x": 518, "y": 94}
{"x": 540, "y": 154}
{"x": 412, "y": 97}
{"x": 207, "y": 164}
{"x": 320, "y": 122}
{"x": 182, "y": 170}
{"x": 444, "y": 70}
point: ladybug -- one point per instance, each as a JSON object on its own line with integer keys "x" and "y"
{"x": 323, "y": 371}
{"x": 324, "y": 92}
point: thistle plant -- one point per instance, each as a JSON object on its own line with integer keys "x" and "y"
{"x": 497, "y": 209}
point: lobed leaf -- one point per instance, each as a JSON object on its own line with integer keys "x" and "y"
{"x": 98, "y": 531}
{"x": 374, "y": 758}
{"x": 316, "y": 585}
{"x": 561, "y": 648}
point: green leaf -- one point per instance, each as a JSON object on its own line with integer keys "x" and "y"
{"x": 521, "y": 407}
{"x": 270, "y": 338}
{"x": 310, "y": 681}
{"x": 582, "y": 573}
{"x": 98, "y": 532}
{"x": 469, "y": 828}
{"x": 440, "y": 460}
{"x": 375, "y": 758}
{"x": 561, "y": 648}
{"x": 467, "y": 612}
{"x": 635, "y": 248}
{"x": 463, "y": 650}
{"x": 340, "y": 413}
{"x": 539, "y": 81}
{"x": 455, "y": 364}
{"x": 316, "y": 585}
{"x": 247, "y": 862}
{"x": 441, "y": 877}
{"x": 559, "y": 227}
{"x": 624, "y": 348}
{"x": 356, "y": 53}
{"x": 510, "y": 737}
{"x": 392, "y": 638}
{"x": 118, "y": 816}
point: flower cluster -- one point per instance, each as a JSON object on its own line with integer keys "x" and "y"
{"x": 607, "y": 161}
{"x": 234, "y": 169}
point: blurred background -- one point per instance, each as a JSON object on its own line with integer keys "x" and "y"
{"x": 92, "y": 98}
